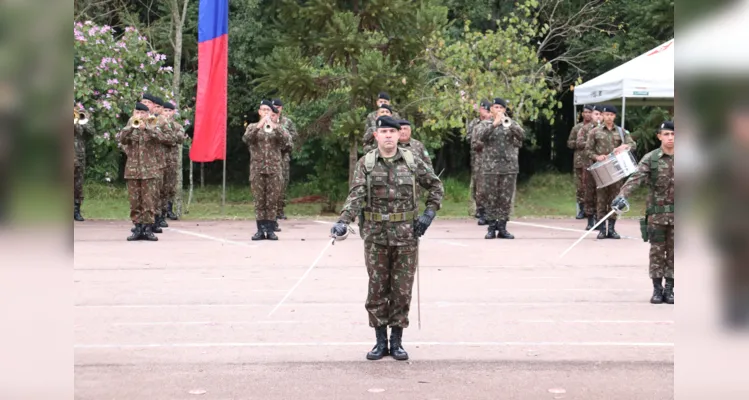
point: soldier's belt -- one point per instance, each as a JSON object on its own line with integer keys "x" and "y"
{"x": 660, "y": 209}
{"x": 395, "y": 217}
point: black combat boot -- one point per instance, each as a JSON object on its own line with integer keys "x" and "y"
{"x": 502, "y": 231}
{"x": 136, "y": 232}
{"x": 396, "y": 345}
{"x": 274, "y": 223}
{"x": 170, "y": 211}
{"x": 77, "y": 211}
{"x": 162, "y": 219}
{"x": 269, "y": 234}
{"x": 482, "y": 218}
{"x": 260, "y": 235}
{"x": 580, "y": 211}
{"x": 380, "y": 348}
{"x": 491, "y": 234}
{"x": 591, "y": 222}
{"x": 148, "y": 234}
{"x": 282, "y": 215}
{"x": 668, "y": 292}
{"x": 155, "y": 228}
{"x": 612, "y": 233}
{"x": 657, "y": 291}
{"x": 602, "y": 230}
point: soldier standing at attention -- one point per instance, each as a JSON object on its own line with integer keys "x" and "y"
{"x": 589, "y": 183}
{"x": 576, "y": 142}
{"x": 369, "y": 142}
{"x": 82, "y": 131}
{"x": 369, "y": 126}
{"x": 607, "y": 139}
{"x": 172, "y": 158}
{"x": 142, "y": 138}
{"x": 657, "y": 170}
{"x": 498, "y": 142}
{"x": 383, "y": 189}
{"x": 266, "y": 140}
{"x": 290, "y": 128}
{"x": 476, "y": 177}
{"x": 155, "y": 107}
{"x": 407, "y": 142}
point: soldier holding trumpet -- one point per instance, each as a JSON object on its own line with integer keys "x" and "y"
{"x": 82, "y": 131}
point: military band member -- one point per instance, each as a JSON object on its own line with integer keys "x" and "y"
{"x": 383, "y": 190}
{"x": 477, "y": 181}
{"x": 369, "y": 142}
{"x": 156, "y": 106}
{"x": 576, "y": 142}
{"x": 290, "y": 127}
{"x": 408, "y": 142}
{"x": 82, "y": 132}
{"x": 142, "y": 140}
{"x": 266, "y": 140}
{"x": 607, "y": 139}
{"x": 656, "y": 170}
{"x": 498, "y": 142}
{"x": 173, "y": 153}
{"x": 369, "y": 126}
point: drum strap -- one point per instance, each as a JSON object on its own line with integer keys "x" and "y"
{"x": 621, "y": 132}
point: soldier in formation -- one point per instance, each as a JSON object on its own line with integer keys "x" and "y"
{"x": 603, "y": 141}
{"x": 576, "y": 142}
{"x": 173, "y": 153}
{"x": 383, "y": 99}
{"x": 589, "y": 183}
{"x": 656, "y": 170}
{"x": 82, "y": 132}
{"x": 407, "y": 142}
{"x": 142, "y": 139}
{"x": 290, "y": 128}
{"x": 390, "y": 228}
{"x": 266, "y": 140}
{"x": 477, "y": 180}
{"x": 497, "y": 143}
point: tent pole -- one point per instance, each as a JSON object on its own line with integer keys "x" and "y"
{"x": 624, "y": 110}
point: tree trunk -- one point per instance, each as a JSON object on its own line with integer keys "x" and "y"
{"x": 353, "y": 156}
{"x": 202, "y": 175}
{"x": 178, "y": 22}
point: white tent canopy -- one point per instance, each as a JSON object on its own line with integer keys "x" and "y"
{"x": 645, "y": 80}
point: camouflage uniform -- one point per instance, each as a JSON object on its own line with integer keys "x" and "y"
{"x": 173, "y": 153}
{"x": 81, "y": 134}
{"x": 476, "y": 176}
{"x": 576, "y": 142}
{"x": 590, "y": 192}
{"x": 660, "y": 209}
{"x": 290, "y": 127}
{"x": 418, "y": 149}
{"x": 497, "y": 149}
{"x": 602, "y": 141}
{"x": 390, "y": 247}
{"x": 143, "y": 169}
{"x": 369, "y": 128}
{"x": 266, "y": 164}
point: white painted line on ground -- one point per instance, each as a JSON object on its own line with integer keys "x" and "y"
{"x": 359, "y": 304}
{"x": 559, "y": 228}
{"x": 209, "y": 237}
{"x": 560, "y": 290}
{"x": 302, "y": 278}
{"x": 167, "y": 323}
{"x": 343, "y": 344}
{"x": 595, "y": 321}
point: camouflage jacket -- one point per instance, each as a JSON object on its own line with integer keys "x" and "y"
{"x": 469, "y": 129}
{"x": 661, "y": 183}
{"x": 174, "y": 152}
{"x": 266, "y": 149}
{"x": 81, "y": 133}
{"x": 576, "y": 142}
{"x": 602, "y": 141}
{"x": 370, "y": 127}
{"x": 582, "y": 140}
{"x": 392, "y": 184}
{"x": 418, "y": 149}
{"x": 144, "y": 149}
{"x": 497, "y": 148}
{"x": 290, "y": 127}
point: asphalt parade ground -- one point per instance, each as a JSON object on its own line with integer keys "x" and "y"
{"x": 206, "y": 313}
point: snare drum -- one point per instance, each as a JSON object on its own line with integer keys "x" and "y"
{"x": 613, "y": 169}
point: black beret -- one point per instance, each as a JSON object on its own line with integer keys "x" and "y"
{"x": 388, "y": 122}
{"x": 501, "y": 102}
{"x": 485, "y": 104}
{"x": 387, "y": 107}
{"x": 266, "y": 103}
{"x": 609, "y": 108}
{"x": 159, "y": 101}
{"x": 140, "y": 106}
{"x": 277, "y": 102}
{"x": 274, "y": 109}
{"x": 384, "y": 95}
{"x": 169, "y": 105}
{"x": 589, "y": 107}
{"x": 667, "y": 126}
{"x": 149, "y": 97}
{"x": 404, "y": 122}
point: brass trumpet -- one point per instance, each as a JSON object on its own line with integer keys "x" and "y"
{"x": 137, "y": 122}
{"x": 80, "y": 117}
{"x": 506, "y": 122}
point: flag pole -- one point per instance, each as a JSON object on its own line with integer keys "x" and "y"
{"x": 223, "y": 189}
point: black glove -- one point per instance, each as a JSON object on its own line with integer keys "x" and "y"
{"x": 338, "y": 229}
{"x": 421, "y": 225}
{"x": 619, "y": 203}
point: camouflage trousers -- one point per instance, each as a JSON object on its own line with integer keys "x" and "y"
{"x": 499, "y": 195}
{"x": 580, "y": 185}
{"x": 661, "y": 250}
{"x": 168, "y": 187}
{"x": 285, "y": 172}
{"x": 391, "y": 272}
{"x": 78, "y": 174}
{"x": 266, "y": 192}
{"x": 590, "y": 193}
{"x": 477, "y": 185}
{"x": 143, "y": 195}
{"x": 604, "y": 197}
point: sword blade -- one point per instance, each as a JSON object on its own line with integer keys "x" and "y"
{"x": 586, "y": 233}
